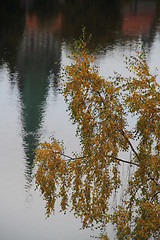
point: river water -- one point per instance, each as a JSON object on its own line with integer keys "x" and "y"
{"x": 34, "y": 38}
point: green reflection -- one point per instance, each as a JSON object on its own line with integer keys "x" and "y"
{"x": 35, "y": 63}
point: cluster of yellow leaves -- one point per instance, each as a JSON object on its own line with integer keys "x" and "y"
{"x": 51, "y": 174}
{"x": 142, "y": 98}
{"x": 143, "y": 226}
{"x": 86, "y": 182}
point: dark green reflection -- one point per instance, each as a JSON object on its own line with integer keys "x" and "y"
{"x": 39, "y": 56}
{"x": 31, "y": 49}
{"x": 34, "y": 67}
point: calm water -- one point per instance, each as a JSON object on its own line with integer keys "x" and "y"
{"x": 33, "y": 46}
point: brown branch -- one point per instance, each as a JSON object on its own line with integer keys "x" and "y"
{"x": 83, "y": 157}
{"x": 118, "y": 159}
{"x": 124, "y": 161}
{"x": 155, "y": 195}
{"x": 67, "y": 156}
{"x": 130, "y": 144}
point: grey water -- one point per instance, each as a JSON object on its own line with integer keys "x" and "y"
{"x": 34, "y": 39}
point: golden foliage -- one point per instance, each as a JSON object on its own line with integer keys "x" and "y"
{"x": 86, "y": 181}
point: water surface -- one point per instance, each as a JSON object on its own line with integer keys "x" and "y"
{"x": 33, "y": 47}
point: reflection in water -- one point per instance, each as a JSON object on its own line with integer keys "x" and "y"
{"x": 32, "y": 34}
{"x": 109, "y": 22}
{"x": 34, "y": 54}
{"x": 38, "y": 56}
{"x": 138, "y": 18}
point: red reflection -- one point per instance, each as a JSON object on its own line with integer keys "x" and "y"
{"x": 57, "y": 23}
{"x": 138, "y": 19}
{"x": 31, "y": 22}
{"x": 137, "y": 24}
